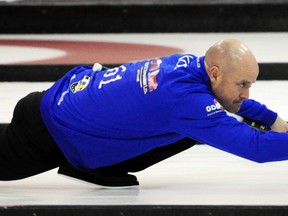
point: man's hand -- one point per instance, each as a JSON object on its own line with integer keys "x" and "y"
{"x": 279, "y": 125}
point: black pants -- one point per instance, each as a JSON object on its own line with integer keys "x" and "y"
{"x": 150, "y": 158}
{"x": 27, "y": 148}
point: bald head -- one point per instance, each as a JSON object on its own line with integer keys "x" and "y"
{"x": 230, "y": 53}
{"x": 232, "y": 69}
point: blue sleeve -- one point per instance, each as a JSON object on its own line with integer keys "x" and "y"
{"x": 254, "y": 110}
{"x": 197, "y": 118}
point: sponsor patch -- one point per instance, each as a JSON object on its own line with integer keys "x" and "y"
{"x": 155, "y": 64}
{"x": 152, "y": 80}
{"x": 142, "y": 77}
{"x": 214, "y": 108}
{"x": 80, "y": 85}
{"x": 147, "y": 76}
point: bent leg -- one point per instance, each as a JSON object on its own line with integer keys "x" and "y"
{"x": 150, "y": 158}
{"x": 117, "y": 175}
{"x": 26, "y": 147}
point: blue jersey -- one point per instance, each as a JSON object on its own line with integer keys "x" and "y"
{"x": 102, "y": 118}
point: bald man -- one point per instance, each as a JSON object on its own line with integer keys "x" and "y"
{"x": 98, "y": 125}
{"x": 229, "y": 63}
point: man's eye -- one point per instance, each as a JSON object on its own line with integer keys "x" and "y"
{"x": 242, "y": 85}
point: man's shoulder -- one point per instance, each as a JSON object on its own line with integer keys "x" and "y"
{"x": 198, "y": 105}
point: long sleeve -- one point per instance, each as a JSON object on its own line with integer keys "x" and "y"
{"x": 257, "y": 111}
{"x": 192, "y": 118}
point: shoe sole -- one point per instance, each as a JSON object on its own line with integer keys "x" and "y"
{"x": 85, "y": 178}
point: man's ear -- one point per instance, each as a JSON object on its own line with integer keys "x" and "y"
{"x": 214, "y": 73}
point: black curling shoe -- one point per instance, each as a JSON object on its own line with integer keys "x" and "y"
{"x": 99, "y": 177}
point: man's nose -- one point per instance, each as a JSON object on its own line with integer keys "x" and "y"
{"x": 244, "y": 94}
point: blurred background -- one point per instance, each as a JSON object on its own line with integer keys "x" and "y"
{"x": 40, "y": 40}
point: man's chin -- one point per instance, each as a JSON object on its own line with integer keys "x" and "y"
{"x": 234, "y": 108}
